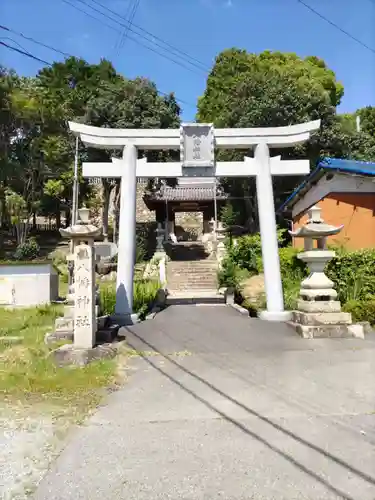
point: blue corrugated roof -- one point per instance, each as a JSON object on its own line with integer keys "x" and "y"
{"x": 336, "y": 164}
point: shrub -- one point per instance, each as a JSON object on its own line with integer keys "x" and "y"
{"x": 353, "y": 274}
{"x": 140, "y": 249}
{"x": 361, "y": 310}
{"x": 247, "y": 253}
{"x": 27, "y": 251}
{"x": 231, "y": 275}
{"x": 291, "y": 268}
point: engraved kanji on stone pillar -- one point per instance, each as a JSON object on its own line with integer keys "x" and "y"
{"x": 85, "y": 323}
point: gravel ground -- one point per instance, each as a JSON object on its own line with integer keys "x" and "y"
{"x": 29, "y": 441}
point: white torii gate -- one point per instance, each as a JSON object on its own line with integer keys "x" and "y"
{"x": 197, "y": 143}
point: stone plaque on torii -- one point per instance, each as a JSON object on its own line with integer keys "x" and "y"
{"x": 196, "y": 143}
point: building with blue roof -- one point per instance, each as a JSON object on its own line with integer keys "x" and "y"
{"x": 345, "y": 191}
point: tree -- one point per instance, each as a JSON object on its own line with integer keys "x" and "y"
{"x": 367, "y": 116}
{"x": 276, "y": 89}
{"x": 128, "y": 104}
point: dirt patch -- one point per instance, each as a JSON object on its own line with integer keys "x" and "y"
{"x": 252, "y": 289}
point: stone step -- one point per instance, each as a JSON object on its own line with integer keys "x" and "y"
{"x": 329, "y": 331}
{"x": 195, "y": 297}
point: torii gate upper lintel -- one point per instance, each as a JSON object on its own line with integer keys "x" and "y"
{"x": 196, "y": 143}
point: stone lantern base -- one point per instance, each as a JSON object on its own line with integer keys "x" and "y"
{"x": 322, "y": 319}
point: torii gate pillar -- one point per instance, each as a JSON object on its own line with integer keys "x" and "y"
{"x": 126, "y": 240}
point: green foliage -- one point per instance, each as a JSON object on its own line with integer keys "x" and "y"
{"x": 268, "y": 89}
{"x": 231, "y": 274}
{"x": 29, "y": 374}
{"x": 367, "y": 116}
{"x": 29, "y": 250}
{"x": 353, "y": 274}
{"x": 247, "y": 252}
{"x": 16, "y": 206}
{"x": 229, "y": 216}
{"x": 290, "y": 266}
{"x": 145, "y": 292}
{"x": 361, "y": 310}
{"x": 140, "y": 249}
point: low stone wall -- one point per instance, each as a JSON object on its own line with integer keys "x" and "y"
{"x": 27, "y": 284}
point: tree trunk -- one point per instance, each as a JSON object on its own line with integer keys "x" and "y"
{"x": 106, "y": 193}
{"x": 58, "y": 217}
{"x": 116, "y": 210}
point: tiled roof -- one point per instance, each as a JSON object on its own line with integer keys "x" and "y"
{"x": 183, "y": 193}
{"x": 350, "y": 167}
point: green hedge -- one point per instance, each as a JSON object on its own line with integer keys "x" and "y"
{"x": 353, "y": 274}
{"x": 361, "y": 310}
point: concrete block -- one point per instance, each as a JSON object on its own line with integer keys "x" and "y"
{"x": 317, "y": 319}
{"x": 108, "y": 334}
{"x": 319, "y": 306}
{"x": 328, "y": 331}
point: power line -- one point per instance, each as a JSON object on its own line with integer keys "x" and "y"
{"x": 30, "y": 39}
{"x": 136, "y": 40}
{"x": 15, "y": 41}
{"x": 154, "y": 37}
{"x": 311, "y": 9}
{"x": 132, "y": 13}
{"x": 27, "y": 54}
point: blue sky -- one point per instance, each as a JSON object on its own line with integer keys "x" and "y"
{"x": 202, "y": 28}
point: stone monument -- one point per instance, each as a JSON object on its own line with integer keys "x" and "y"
{"x": 80, "y": 323}
{"x": 318, "y": 310}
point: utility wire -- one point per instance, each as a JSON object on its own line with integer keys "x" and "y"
{"x": 166, "y": 56}
{"x": 28, "y": 54}
{"x": 131, "y": 17}
{"x": 311, "y": 9}
{"x": 25, "y": 53}
{"x": 154, "y": 37}
{"x": 30, "y": 39}
{"x": 15, "y": 41}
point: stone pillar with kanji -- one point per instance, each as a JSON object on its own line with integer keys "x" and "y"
{"x": 85, "y": 324}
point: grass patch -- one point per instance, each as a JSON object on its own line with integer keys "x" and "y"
{"x": 145, "y": 292}
{"x": 28, "y": 375}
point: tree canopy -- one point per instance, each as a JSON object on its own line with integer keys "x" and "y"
{"x": 280, "y": 89}
{"x": 36, "y": 148}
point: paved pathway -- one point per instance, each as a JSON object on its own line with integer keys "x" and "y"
{"x": 222, "y": 406}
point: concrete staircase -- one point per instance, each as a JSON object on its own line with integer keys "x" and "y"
{"x": 192, "y": 281}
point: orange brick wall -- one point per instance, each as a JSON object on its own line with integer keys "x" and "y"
{"x": 355, "y": 211}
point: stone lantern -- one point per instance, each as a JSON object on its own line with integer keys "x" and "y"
{"x": 318, "y": 310}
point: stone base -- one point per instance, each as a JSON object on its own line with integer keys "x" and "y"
{"x": 51, "y": 338}
{"x": 281, "y": 316}
{"x": 68, "y": 355}
{"x": 329, "y": 306}
{"x": 322, "y": 318}
{"x": 107, "y": 334}
{"x": 329, "y": 331}
{"x": 64, "y": 324}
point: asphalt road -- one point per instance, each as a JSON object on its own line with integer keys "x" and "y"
{"x": 218, "y": 405}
